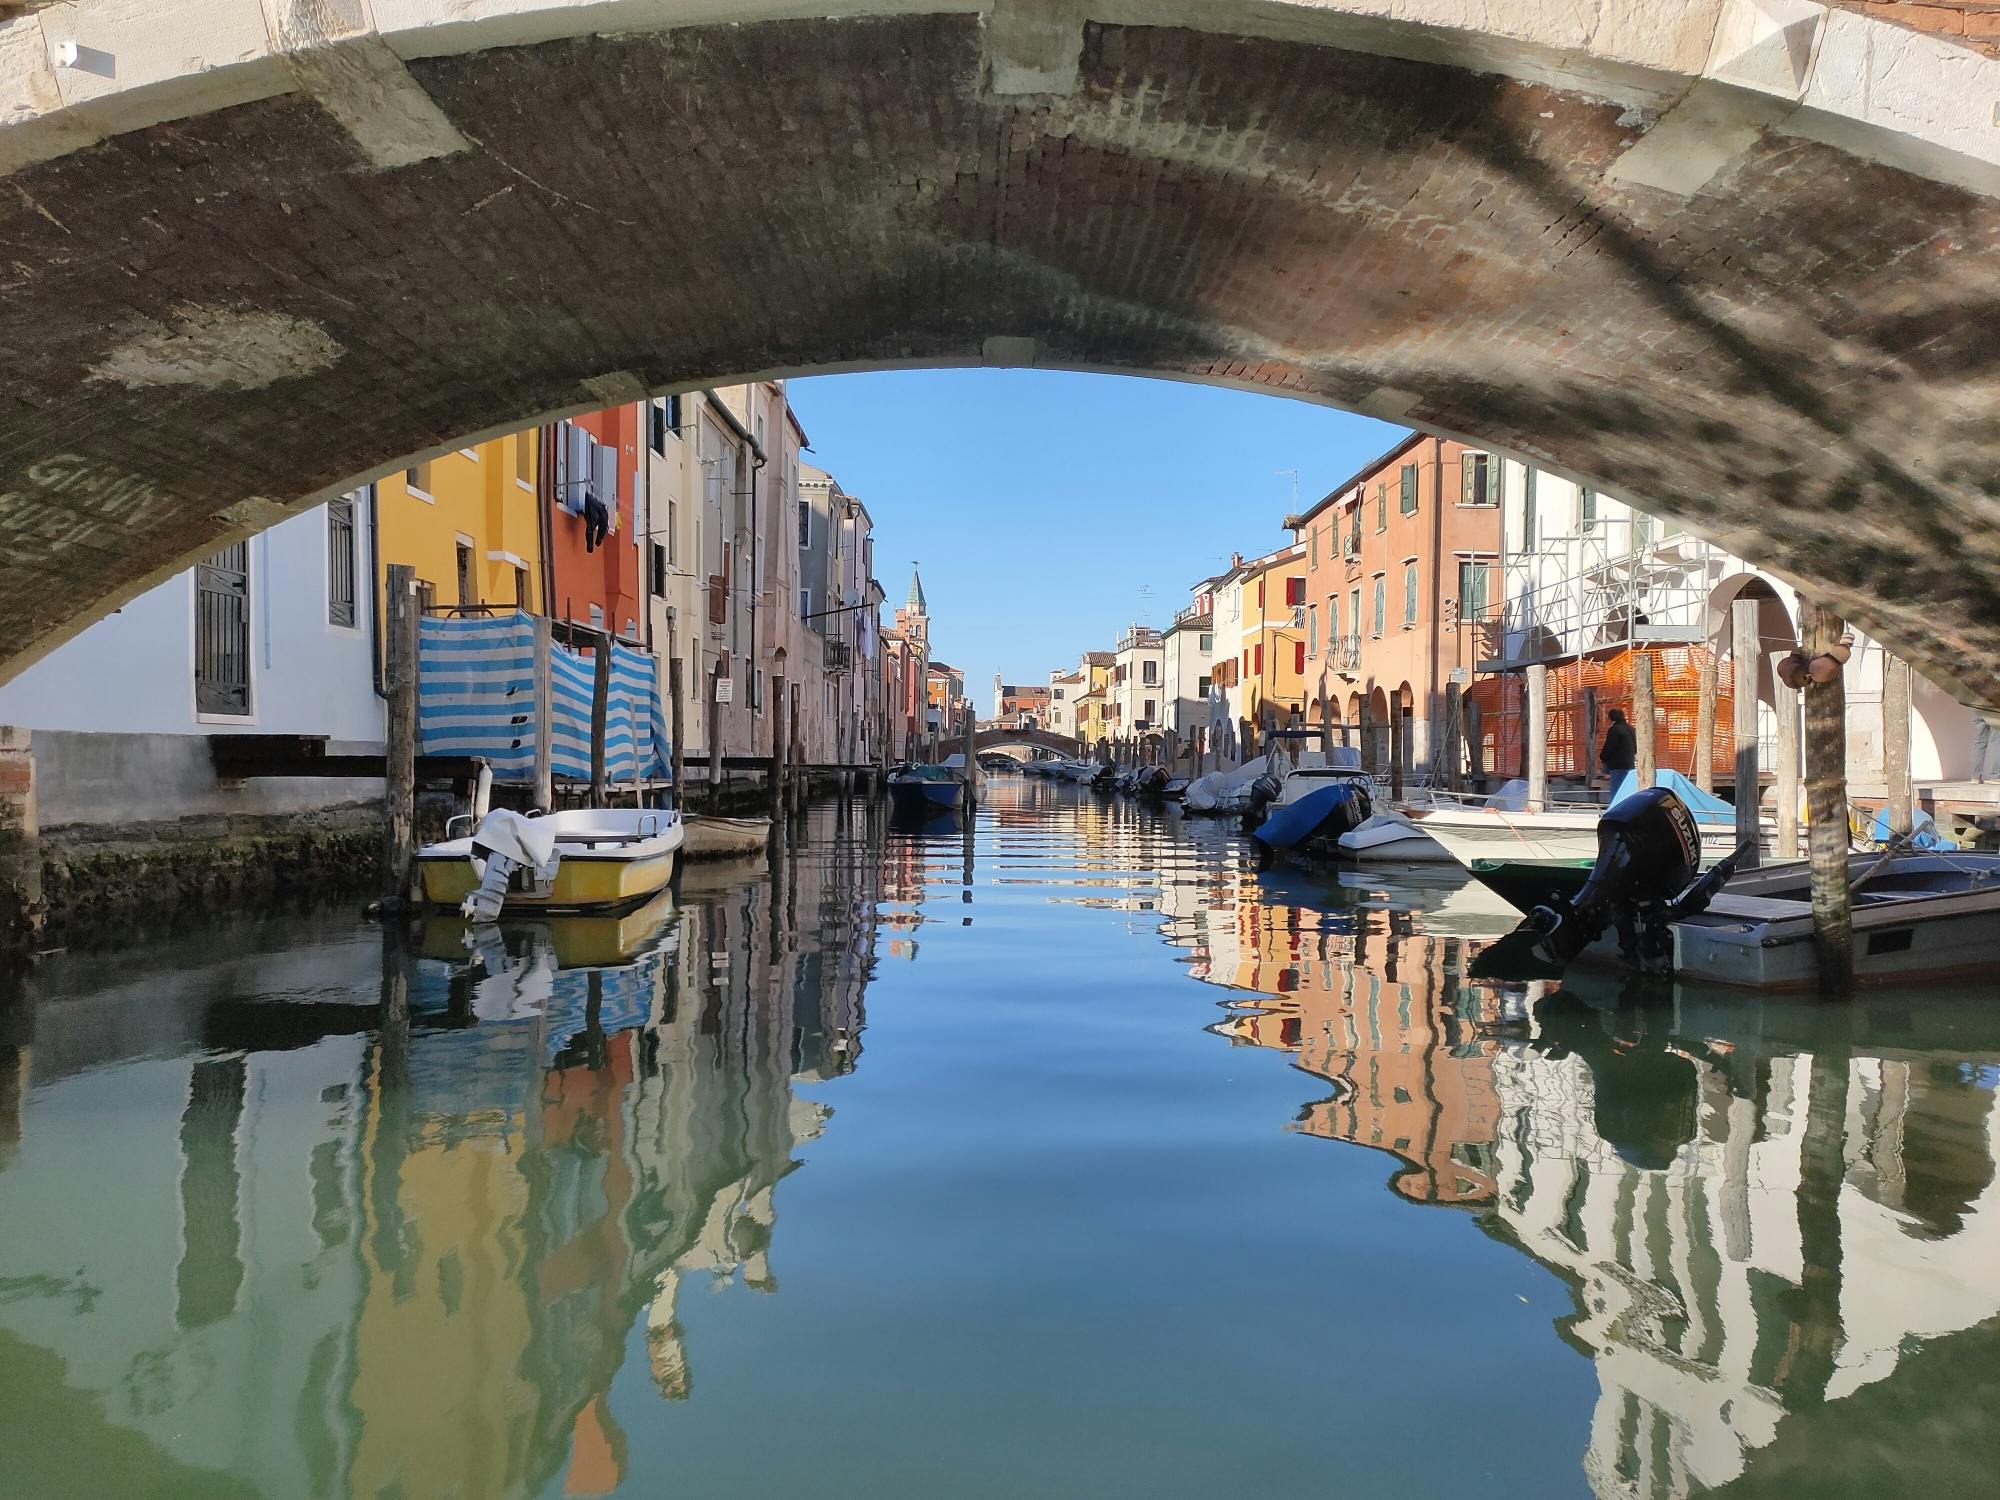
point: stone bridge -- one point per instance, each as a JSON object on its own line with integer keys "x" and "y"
{"x": 1732, "y": 258}
{"x": 1024, "y": 739}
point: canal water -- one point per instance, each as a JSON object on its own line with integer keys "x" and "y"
{"x": 1063, "y": 1156}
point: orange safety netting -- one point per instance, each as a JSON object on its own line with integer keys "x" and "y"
{"x": 1572, "y": 745}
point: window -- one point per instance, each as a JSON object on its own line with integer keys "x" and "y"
{"x": 1354, "y": 530}
{"x": 805, "y": 523}
{"x": 1528, "y": 526}
{"x": 1258, "y": 660}
{"x": 659, "y": 582}
{"x": 1354, "y": 609}
{"x": 1381, "y": 602}
{"x": 1382, "y": 506}
{"x": 656, "y": 425}
{"x": 222, "y": 632}
{"x": 1207, "y": 643}
{"x": 340, "y": 561}
{"x": 1059, "y": 695}
{"x": 1315, "y": 546}
{"x": 418, "y": 479}
{"x": 1202, "y": 685}
{"x": 1149, "y": 673}
{"x": 1586, "y": 506}
{"x": 521, "y": 599}
{"x": 1472, "y": 590}
{"x": 1408, "y": 499}
{"x": 1409, "y": 593}
{"x": 1295, "y": 591}
{"x": 524, "y": 458}
{"x": 805, "y": 604}
{"x": 1476, "y": 479}
{"x": 1152, "y": 708}
{"x": 1312, "y": 629}
{"x": 1332, "y": 618}
{"x": 468, "y": 574}
{"x": 1260, "y": 593}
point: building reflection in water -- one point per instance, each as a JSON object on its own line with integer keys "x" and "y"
{"x": 417, "y": 1201}
{"x": 1759, "y": 1208}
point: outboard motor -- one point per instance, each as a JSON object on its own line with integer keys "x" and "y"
{"x": 1648, "y": 857}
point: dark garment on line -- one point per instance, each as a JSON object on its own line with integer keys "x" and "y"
{"x": 1621, "y": 749}
{"x": 596, "y": 523}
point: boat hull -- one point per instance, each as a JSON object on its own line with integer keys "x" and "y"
{"x": 583, "y": 882}
{"x": 1391, "y": 838}
{"x": 724, "y": 838}
{"x": 928, "y": 797}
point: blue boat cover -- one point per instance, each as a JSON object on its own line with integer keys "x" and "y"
{"x": 1292, "y": 823}
{"x": 1706, "y": 806}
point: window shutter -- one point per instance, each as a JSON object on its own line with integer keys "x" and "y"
{"x": 1496, "y": 479}
{"x": 1409, "y": 496}
{"x": 604, "y": 474}
{"x": 1409, "y": 593}
{"x": 1299, "y": 657}
{"x": 1468, "y": 469}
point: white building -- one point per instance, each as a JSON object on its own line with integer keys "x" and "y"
{"x": 1187, "y": 655}
{"x": 1137, "y": 683}
{"x": 1064, "y": 688}
{"x": 273, "y": 636}
{"x": 1586, "y": 574}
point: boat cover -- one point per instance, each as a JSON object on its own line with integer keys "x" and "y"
{"x": 526, "y": 841}
{"x": 1706, "y": 806}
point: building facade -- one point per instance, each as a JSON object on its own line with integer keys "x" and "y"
{"x": 1137, "y": 684}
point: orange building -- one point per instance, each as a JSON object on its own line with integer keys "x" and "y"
{"x": 1401, "y": 563}
{"x": 589, "y": 482}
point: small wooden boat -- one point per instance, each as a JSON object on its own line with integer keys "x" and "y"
{"x": 591, "y": 859}
{"x": 711, "y": 837}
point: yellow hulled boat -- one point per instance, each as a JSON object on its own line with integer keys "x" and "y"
{"x": 593, "y": 859}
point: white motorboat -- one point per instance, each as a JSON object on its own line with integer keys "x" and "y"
{"x": 1502, "y": 830}
{"x": 1225, "y": 791}
{"x": 1391, "y": 837}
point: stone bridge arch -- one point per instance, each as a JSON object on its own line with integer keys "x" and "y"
{"x": 1007, "y": 740}
{"x": 1731, "y": 258}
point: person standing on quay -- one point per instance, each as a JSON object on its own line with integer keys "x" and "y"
{"x": 1621, "y": 746}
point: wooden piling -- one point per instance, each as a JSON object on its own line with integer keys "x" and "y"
{"x": 1704, "y": 722}
{"x": 600, "y": 703}
{"x": 1367, "y": 739}
{"x": 1902, "y": 802}
{"x": 1826, "y": 812}
{"x": 1454, "y": 718}
{"x": 1785, "y": 781}
{"x": 1396, "y": 752}
{"x": 715, "y": 676}
{"x": 1744, "y": 649}
{"x": 545, "y": 742}
{"x": 1588, "y": 744}
{"x": 1645, "y": 729}
{"x": 780, "y": 734}
{"x": 971, "y": 735}
{"x": 1535, "y": 736}
{"x": 676, "y": 689}
{"x": 399, "y": 677}
{"x": 1475, "y": 749}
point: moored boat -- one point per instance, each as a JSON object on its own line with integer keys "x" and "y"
{"x": 589, "y": 859}
{"x": 712, "y": 837}
{"x": 925, "y": 789}
{"x": 1323, "y": 795}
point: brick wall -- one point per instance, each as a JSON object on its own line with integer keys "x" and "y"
{"x": 1974, "y": 22}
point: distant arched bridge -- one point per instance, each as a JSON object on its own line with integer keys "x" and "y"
{"x": 1007, "y": 741}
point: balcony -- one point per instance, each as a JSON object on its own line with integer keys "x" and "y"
{"x": 1137, "y": 637}
{"x": 1195, "y": 615}
{"x": 1343, "y": 653}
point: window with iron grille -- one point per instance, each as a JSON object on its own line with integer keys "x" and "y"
{"x": 222, "y": 631}
{"x": 340, "y": 574}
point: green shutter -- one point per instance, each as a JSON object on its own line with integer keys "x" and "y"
{"x": 1382, "y": 506}
{"x": 1587, "y": 500}
{"x": 1409, "y": 496}
{"x": 1528, "y": 526}
{"x": 1409, "y": 593}
{"x": 1468, "y": 468}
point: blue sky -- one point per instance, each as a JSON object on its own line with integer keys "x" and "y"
{"x": 1043, "y": 505}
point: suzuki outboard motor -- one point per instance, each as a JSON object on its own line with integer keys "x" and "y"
{"x": 1648, "y": 855}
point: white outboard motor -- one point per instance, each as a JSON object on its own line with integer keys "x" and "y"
{"x": 509, "y": 842}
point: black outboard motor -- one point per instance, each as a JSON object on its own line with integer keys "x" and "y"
{"x": 1648, "y": 854}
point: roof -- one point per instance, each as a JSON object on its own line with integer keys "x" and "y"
{"x": 916, "y": 599}
{"x": 1101, "y": 658}
{"x": 1366, "y": 472}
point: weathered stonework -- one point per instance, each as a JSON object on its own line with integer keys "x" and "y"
{"x": 21, "y": 905}
{"x": 1732, "y": 258}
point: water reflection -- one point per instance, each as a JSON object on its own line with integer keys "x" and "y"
{"x": 417, "y": 1201}
{"x": 300, "y": 1212}
{"x": 1759, "y": 1207}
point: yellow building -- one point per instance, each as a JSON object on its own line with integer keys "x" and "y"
{"x": 1272, "y": 640}
{"x": 1093, "y": 702}
{"x": 469, "y": 522}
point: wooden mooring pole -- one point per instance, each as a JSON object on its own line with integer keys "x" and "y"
{"x": 676, "y": 690}
{"x": 1645, "y": 729}
{"x": 1902, "y": 801}
{"x": 1826, "y": 811}
{"x": 780, "y": 734}
{"x": 713, "y": 783}
{"x": 1785, "y": 780}
{"x": 1744, "y": 650}
{"x": 600, "y": 704}
{"x": 1396, "y": 752}
{"x": 1535, "y": 736}
{"x": 970, "y": 730}
{"x": 399, "y": 676}
{"x": 1704, "y": 722}
{"x": 1454, "y": 720}
{"x": 1589, "y": 744}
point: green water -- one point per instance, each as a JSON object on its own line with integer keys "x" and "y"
{"x": 1070, "y": 1158}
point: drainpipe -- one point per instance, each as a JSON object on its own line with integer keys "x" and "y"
{"x": 756, "y": 448}
{"x": 1437, "y": 587}
{"x": 376, "y": 592}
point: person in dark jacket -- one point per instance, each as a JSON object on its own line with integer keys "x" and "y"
{"x": 1621, "y": 746}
